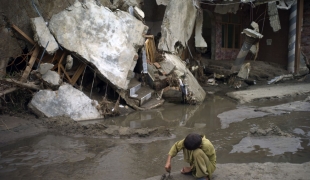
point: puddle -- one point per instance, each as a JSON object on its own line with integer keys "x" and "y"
{"x": 271, "y": 145}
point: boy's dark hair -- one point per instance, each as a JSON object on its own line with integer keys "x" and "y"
{"x": 192, "y": 141}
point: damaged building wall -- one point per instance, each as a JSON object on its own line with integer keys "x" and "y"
{"x": 226, "y": 53}
{"x": 305, "y": 35}
{"x": 178, "y": 24}
{"x": 276, "y": 52}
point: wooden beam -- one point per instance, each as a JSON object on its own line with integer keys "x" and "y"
{"x": 30, "y": 64}
{"x": 7, "y": 91}
{"x": 300, "y": 10}
{"x": 60, "y": 61}
{"x": 67, "y": 75}
{"x": 78, "y": 73}
{"x": 23, "y": 34}
{"x": 21, "y": 84}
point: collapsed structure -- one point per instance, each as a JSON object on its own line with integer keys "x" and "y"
{"x": 142, "y": 52}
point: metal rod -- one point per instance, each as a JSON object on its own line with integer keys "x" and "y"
{"x": 42, "y": 55}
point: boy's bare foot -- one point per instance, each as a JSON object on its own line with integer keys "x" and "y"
{"x": 186, "y": 170}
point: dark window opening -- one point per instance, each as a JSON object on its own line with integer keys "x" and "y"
{"x": 231, "y": 29}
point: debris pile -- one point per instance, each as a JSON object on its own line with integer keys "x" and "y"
{"x": 272, "y": 130}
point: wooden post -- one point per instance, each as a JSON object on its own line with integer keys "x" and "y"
{"x": 30, "y": 64}
{"x": 23, "y": 34}
{"x": 300, "y": 10}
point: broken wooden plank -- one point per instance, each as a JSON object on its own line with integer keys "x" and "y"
{"x": 21, "y": 84}
{"x": 157, "y": 65}
{"x": 78, "y": 73}
{"x": 23, "y": 34}
{"x": 30, "y": 64}
{"x": 7, "y": 91}
{"x": 150, "y": 48}
{"x": 63, "y": 69}
{"x": 60, "y": 61}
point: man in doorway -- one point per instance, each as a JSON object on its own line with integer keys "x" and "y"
{"x": 198, "y": 152}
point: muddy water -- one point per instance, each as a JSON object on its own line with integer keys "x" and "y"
{"x": 54, "y": 156}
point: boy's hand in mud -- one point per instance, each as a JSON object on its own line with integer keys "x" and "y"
{"x": 168, "y": 167}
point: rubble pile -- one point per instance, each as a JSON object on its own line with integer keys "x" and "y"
{"x": 272, "y": 130}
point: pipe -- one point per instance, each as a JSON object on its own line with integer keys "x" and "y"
{"x": 292, "y": 39}
{"x": 250, "y": 38}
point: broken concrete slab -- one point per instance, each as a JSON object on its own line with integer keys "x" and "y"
{"x": 193, "y": 87}
{"x": 199, "y": 40}
{"x": 178, "y": 24}
{"x": 67, "y": 101}
{"x": 52, "y": 78}
{"x": 42, "y": 35}
{"x": 167, "y": 66}
{"x": 274, "y": 16}
{"x": 268, "y": 92}
{"x": 244, "y": 71}
{"x": 104, "y": 38}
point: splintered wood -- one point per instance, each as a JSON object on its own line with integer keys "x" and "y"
{"x": 150, "y": 48}
{"x": 30, "y": 64}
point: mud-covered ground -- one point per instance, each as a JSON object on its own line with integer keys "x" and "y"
{"x": 135, "y": 146}
{"x": 264, "y": 138}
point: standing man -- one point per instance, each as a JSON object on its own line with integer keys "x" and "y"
{"x": 198, "y": 152}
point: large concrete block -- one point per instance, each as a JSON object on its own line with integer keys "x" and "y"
{"x": 42, "y": 35}
{"x": 198, "y": 94}
{"x": 106, "y": 39}
{"x": 67, "y": 101}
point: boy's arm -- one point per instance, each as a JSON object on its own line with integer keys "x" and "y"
{"x": 168, "y": 163}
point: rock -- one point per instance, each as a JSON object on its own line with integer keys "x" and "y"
{"x": 104, "y": 38}
{"x": 52, "y": 78}
{"x": 172, "y": 95}
{"x": 178, "y": 24}
{"x": 307, "y": 78}
{"x": 42, "y": 35}
{"x": 67, "y": 101}
{"x": 193, "y": 87}
{"x": 244, "y": 71}
{"x": 43, "y": 68}
{"x": 69, "y": 62}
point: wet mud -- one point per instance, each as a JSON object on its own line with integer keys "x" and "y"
{"x": 102, "y": 150}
